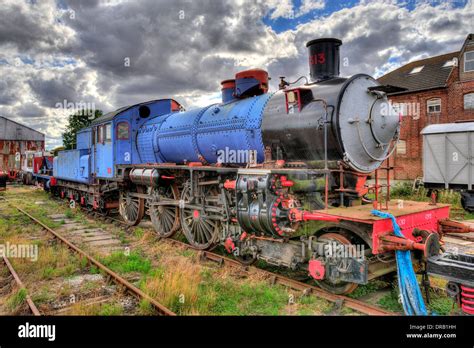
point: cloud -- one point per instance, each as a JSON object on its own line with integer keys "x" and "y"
{"x": 32, "y": 26}
{"x": 374, "y": 32}
{"x": 286, "y": 9}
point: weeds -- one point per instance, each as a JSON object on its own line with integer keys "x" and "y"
{"x": 176, "y": 288}
{"x": 390, "y": 302}
{"x": 70, "y": 214}
{"x": 122, "y": 263}
{"x": 111, "y": 309}
{"x": 405, "y": 190}
{"x": 369, "y": 288}
{"x": 17, "y": 299}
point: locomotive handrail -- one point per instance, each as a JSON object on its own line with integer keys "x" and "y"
{"x": 326, "y": 169}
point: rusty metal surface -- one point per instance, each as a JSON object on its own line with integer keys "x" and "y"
{"x": 15, "y": 137}
{"x": 363, "y": 212}
{"x": 114, "y": 276}
{"x": 20, "y": 284}
{"x": 455, "y": 227}
{"x": 9, "y": 148}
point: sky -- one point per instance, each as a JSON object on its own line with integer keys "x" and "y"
{"x": 57, "y": 56}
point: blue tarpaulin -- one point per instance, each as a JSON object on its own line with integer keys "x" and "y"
{"x": 412, "y": 300}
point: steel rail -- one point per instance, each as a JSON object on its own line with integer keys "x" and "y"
{"x": 20, "y": 284}
{"x": 161, "y": 309}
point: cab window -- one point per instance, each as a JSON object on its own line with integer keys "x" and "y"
{"x": 108, "y": 132}
{"x": 99, "y": 134}
{"x": 123, "y": 131}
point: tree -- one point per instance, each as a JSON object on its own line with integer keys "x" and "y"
{"x": 56, "y": 150}
{"x": 76, "y": 122}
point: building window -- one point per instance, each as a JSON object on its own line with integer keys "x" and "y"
{"x": 402, "y": 147}
{"x": 469, "y": 101}
{"x": 433, "y": 105}
{"x": 469, "y": 61}
{"x": 122, "y": 131}
{"x": 417, "y": 69}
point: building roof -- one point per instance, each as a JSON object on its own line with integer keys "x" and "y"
{"x": 432, "y": 75}
{"x": 460, "y": 127}
{"x": 12, "y": 130}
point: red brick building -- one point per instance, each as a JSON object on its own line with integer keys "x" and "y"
{"x": 437, "y": 90}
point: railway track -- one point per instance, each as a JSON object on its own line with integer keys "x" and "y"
{"x": 275, "y": 278}
{"x": 31, "y": 305}
{"x": 465, "y": 237}
{"x": 116, "y": 278}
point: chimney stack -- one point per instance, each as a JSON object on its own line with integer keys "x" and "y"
{"x": 323, "y": 58}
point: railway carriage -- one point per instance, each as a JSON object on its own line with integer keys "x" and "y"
{"x": 273, "y": 176}
{"x": 447, "y": 154}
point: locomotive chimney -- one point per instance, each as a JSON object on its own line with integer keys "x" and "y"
{"x": 323, "y": 58}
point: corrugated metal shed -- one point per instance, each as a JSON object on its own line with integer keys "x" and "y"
{"x": 11, "y": 130}
{"x": 448, "y": 128}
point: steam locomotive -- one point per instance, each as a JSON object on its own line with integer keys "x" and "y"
{"x": 274, "y": 176}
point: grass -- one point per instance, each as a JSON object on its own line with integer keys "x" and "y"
{"x": 369, "y": 288}
{"x": 439, "y": 304}
{"x": 16, "y": 300}
{"x": 70, "y": 214}
{"x": 404, "y": 190}
{"x": 135, "y": 262}
{"x": 111, "y": 309}
{"x": 231, "y": 298}
{"x": 145, "y": 308}
{"x": 138, "y": 232}
{"x": 82, "y": 309}
{"x": 43, "y": 295}
{"x": 390, "y": 302}
{"x": 176, "y": 288}
{"x": 53, "y": 261}
{"x": 312, "y": 305}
